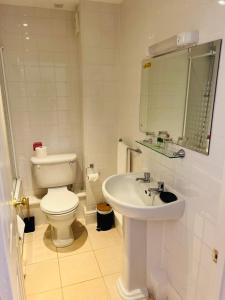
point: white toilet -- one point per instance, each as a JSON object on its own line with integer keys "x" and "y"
{"x": 56, "y": 172}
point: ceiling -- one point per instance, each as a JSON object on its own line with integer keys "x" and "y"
{"x": 67, "y": 4}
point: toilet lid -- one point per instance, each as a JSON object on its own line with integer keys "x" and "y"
{"x": 59, "y": 201}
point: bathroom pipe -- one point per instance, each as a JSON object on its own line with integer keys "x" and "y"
{"x": 8, "y": 112}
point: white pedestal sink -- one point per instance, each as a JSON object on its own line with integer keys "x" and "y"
{"x": 128, "y": 197}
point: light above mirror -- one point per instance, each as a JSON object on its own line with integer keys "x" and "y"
{"x": 221, "y": 2}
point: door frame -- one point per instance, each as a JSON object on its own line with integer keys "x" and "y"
{"x": 11, "y": 273}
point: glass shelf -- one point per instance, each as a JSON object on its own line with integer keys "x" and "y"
{"x": 155, "y": 147}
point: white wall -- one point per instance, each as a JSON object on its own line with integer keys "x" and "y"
{"x": 99, "y": 56}
{"x": 186, "y": 254}
{"x": 42, "y": 76}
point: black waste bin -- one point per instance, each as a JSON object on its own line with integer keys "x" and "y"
{"x": 105, "y": 217}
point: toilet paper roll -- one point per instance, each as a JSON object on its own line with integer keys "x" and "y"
{"x": 41, "y": 151}
{"x": 20, "y": 226}
{"x": 93, "y": 177}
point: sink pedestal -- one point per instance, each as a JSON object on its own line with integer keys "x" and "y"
{"x": 132, "y": 283}
{"x": 127, "y": 196}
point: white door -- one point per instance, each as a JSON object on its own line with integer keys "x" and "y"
{"x": 220, "y": 246}
{"x": 11, "y": 277}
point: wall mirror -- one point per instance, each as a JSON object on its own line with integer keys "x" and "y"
{"x": 178, "y": 93}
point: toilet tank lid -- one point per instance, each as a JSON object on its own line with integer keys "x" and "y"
{"x": 53, "y": 159}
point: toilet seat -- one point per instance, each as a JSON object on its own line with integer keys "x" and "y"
{"x": 59, "y": 201}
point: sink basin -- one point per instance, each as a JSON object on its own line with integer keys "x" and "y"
{"x": 129, "y": 198}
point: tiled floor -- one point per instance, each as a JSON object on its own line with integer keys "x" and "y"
{"x": 86, "y": 270}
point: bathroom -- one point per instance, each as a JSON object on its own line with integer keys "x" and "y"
{"x": 71, "y": 77}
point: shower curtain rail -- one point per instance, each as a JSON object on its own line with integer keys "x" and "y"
{"x": 8, "y": 111}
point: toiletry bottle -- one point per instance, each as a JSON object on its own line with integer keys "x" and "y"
{"x": 162, "y": 135}
{"x": 151, "y": 137}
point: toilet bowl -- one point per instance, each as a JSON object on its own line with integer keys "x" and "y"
{"x": 56, "y": 172}
{"x": 60, "y": 206}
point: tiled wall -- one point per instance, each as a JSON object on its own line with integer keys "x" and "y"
{"x": 99, "y": 53}
{"x": 186, "y": 256}
{"x": 40, "y": 52}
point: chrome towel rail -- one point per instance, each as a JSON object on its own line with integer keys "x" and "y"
{"x": 137, "y": 150}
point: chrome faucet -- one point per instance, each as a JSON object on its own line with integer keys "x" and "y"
{"x": 146, "y": 177}
{"x": 160, "y": 188}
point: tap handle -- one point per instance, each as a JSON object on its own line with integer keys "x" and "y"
{"x": 147, "y": 175}
{"x": 161, "y": 185}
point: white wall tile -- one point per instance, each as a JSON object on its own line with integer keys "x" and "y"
{"x": 39, "y": 70}
{"x": 99, "y": 87}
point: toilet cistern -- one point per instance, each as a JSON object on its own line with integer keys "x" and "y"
{"x": 56, "y": 172}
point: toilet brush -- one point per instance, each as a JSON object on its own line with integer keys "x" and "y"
{"x": 29, "y": 221}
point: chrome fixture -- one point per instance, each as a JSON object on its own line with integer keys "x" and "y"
{"x": 146, "y": 178}
{"x": 180, "y": 153}
{"x": 160, "y": 188}
{"x": 137, "y": 150}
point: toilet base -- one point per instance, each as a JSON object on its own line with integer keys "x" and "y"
{"x": 62, "y": 243}
{"x": 61, "y": 230}
{"x": 62, "y": 237}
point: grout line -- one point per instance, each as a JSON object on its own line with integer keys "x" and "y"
{"x": 83, "y": 281}
{"x": 66, "y": 256}
{"x": 107, "y": 247}
{"x": 107, "y": 288}
{"x": 41, "y": 261}
{"x": 98, "y": 263}
{"x": 60, "y": 275}
{"x": 43, "y": 292}
{"x": 112, "y": 274}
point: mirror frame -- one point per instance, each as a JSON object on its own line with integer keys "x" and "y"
{"x": 213, "y": 86}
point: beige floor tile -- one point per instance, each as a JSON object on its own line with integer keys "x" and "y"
{"x": 78, "y": 268}
{"x": 29, "y": 237}
{"x": 39, "y": 250}
{"x": 37, "y": 234}
{"x": 81, "y": 243}
{"x": 110, "y": 282}
{"x": 103, "y": 239}
{"x": 51, "y": 295}
{"x": 42, "y": 276}
{"x": 110, "y": 260}
{"x": 89, "y": 290}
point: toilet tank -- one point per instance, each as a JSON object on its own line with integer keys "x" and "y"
{"x": 54, "y": 170}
